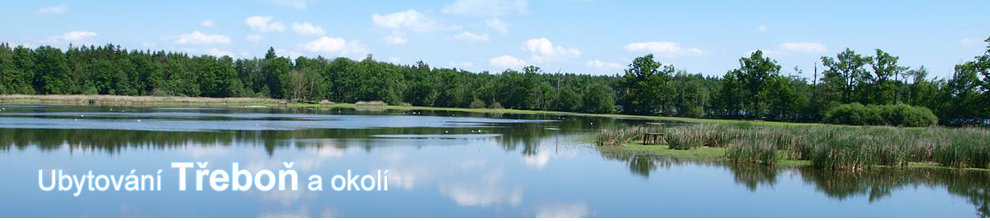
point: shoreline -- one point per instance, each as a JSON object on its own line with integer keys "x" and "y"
{"x": 169, "y": 101}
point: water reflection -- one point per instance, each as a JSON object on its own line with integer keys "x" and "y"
{"x": 471, "y": 165}
{"x": 874, "y": 185}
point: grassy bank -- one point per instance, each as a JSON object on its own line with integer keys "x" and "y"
{"x": 823, "y": 147}
{"x": 155, "y": 101}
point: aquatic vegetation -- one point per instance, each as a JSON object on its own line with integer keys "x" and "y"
{"x": 618, "y": 136}
{"x": 968, "y": 147}
{"x": 683, "y": 138}
{"x": 836, "y": 147}
{"x": 753, "y": 148}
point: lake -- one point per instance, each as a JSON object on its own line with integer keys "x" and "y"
{"x": 442, "y": 164}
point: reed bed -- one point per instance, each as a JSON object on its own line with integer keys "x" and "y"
{"x": 619, "y": 136}
{"x": 756, "y": 148}
{"x": 831, "y": 147}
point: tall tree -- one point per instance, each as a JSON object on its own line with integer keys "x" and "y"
{"x": 845, "y": 75}
{"x": 599, "y": 98}
{"x": 51, "y": 71}
{"x": 886, "y": 75}
{"x": 753, "y": 73}
{"x": 647, "y": 87}
{"x": 276, "y": 71}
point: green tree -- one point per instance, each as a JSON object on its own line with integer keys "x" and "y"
{"x": 692, "y": 96}
{"x": 13, "y": 77}
{"x": 51, "y": 71}
{"x": 647, "y": 85}
{"x": 845, "y": 75}
{"x": 884, "y": 68}
{"x": 276, "y": 71}
{"x": 599, "y": 98}
{"x": 752, "y": 74}
{"x": 780, "y": 97}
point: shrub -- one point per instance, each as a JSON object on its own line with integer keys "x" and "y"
{"x": 477, "y": 104}
{"x": 370, "y": 103}
{"x": 495, "y": 105}
{"x": 893, "y": 115}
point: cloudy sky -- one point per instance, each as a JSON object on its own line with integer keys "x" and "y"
{"x": 582, "y": 36}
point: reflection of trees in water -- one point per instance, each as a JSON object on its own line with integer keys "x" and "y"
{"x": 753, "y": 176}
{"x": 879, "y": 183}
{"x": 875, "y": 184}
{"x": 514, "y": 136}
{"x": 110, "y": 141}
{"x": 644, "y": 164}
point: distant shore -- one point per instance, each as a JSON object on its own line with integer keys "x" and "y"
{"x": 115, "y": 100}
{"x": 169, "y": 101}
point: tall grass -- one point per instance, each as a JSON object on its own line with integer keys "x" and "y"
{"x": 619, "y": 136}
{"x": 753, "y": 148}
{"x": 831, "y": 147}
{"x": 968, "y": 147}
{"x": 697, "y": 135}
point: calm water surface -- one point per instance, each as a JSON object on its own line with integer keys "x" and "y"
{"x": 443, "y": 164}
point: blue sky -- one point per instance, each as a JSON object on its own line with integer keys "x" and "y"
{"x": 581, "y": 36}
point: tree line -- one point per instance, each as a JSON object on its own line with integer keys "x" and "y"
{"x": 757, "y": 89}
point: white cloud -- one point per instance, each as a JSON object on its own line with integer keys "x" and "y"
{"x": 264, "y": 24}
{"x": 295, "y": 54}
{"x": 603, "y": 66}
{"x": 663, "y": 49}
{"x": 149, "y": 45}
{"x": 395, "y": 40}
{"x": 539, "y": 160}
{"x": 762, "y": 28}
{"x": 544, "y": 50}
{"x": 334, "y": 45}
{"x": 405, "y": 20}
{"x": 487, "y": 8}
{"x": 78, "y": 36}
{"x": 254, "y": 38}
{"x": 805, "y": 47}
{"x": 393, "y": 59}
{"x": 470, "y": 37}
{"x": 498, "y": 25}
{"x": 207, "y": 23}
{"x": 219, "y": 53}
{"x": 327, "y": 44}
{"x": 70, "y": 37}
{"x": 463, "y": 64}
{"x": 198, "y": 38}
{"x": 506, "y": 61}
{"x": 53, "y": 10}
{"x": 307, "y": 29}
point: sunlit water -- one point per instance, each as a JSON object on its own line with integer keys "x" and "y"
{"x": 442, "y": 164}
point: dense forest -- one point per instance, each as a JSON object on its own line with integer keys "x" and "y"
{"x": 757, "y": 89}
